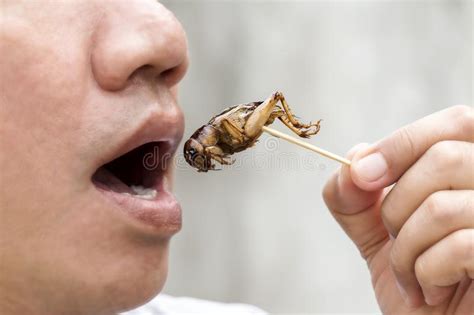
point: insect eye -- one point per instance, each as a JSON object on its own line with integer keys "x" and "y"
{"x": 192, "y": 151}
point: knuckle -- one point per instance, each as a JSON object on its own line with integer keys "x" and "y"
{"x": 445, "y": 155}
{"x": 422, "y": 270}
{"x": 435, "y": 209}
{"x": 462, "y": 241}
{"x": 460, "y": 109}
{"x": 468, "y": 255}
{"x": 405, "y": 140}
{"x": 464, "y": 117}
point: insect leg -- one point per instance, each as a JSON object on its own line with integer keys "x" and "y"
{"x": 217, "y": 154}
{"x": 299, "y": 131}
{"x": 234, "y": 131}
{"x": 223, "y": 161}
{"x": 291, "y": 117}
{"x": 261, "y": 115}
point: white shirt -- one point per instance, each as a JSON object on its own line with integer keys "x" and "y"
{"x": 167, "y": 305}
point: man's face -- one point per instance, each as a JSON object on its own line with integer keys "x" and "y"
{"x": 88, "y": 124}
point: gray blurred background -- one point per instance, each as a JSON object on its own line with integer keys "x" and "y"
{"x": 259, "y": 232}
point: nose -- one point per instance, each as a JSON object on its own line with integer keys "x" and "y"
{"x": 135, "y": 35}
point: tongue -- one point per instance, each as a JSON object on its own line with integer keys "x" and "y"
{"x": 106, "y": 178}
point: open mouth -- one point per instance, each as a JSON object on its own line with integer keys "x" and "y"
{"x": 138, "y": 173}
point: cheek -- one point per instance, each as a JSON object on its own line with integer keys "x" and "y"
{"x": 42, "y": 98}
{"x": 40, "y": 113}
{"x": 44, "y": 81}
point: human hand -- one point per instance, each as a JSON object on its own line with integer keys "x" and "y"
{"x": 417, "y": 236}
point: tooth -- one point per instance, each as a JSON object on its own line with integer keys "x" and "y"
{"x": 144, "y": 193}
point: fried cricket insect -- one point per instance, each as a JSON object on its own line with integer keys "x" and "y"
{"x": 238, "y": 128}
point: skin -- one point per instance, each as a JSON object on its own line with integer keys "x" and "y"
{"x": 77, "y": 77}
{"x": 72, "y": 72}
{"x": 417, "y": 235}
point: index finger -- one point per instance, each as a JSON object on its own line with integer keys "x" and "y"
{"x": 382, "y": 164}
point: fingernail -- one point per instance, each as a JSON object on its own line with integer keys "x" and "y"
{"x": 371, "y": 167}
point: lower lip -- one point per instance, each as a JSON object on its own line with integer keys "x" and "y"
{"x": 161, "y": 215}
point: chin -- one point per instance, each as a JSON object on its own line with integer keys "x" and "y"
{"x": 135, "y": 293}
{"x": 119, "y": 266}
{"x": 132, "y": 286}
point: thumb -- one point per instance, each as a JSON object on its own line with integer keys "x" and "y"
{"x": 356, "y": 210}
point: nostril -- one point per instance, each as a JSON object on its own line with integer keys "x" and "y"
{"x": 172, "y": 76}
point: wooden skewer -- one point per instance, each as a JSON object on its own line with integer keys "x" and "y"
{"x": 306, "y": 145}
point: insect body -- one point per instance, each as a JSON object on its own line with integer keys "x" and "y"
{"x": 238, "y": 128}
